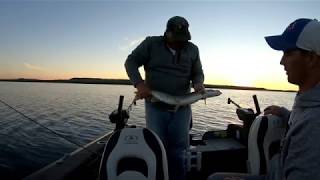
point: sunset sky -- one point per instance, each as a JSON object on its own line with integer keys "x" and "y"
{"x": 66, "y": 39}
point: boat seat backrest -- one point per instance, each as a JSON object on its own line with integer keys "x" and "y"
{"x": 264, "y": 140}
{"x": 134, "y": 153}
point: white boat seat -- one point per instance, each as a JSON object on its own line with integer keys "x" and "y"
{"x": 264, "y": 139}
{"x": 135, "y": 154}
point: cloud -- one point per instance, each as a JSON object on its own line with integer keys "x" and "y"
{"x": 33, "y": 67}
{"x": 130, "y": 44}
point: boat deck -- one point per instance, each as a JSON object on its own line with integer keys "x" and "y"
{"x": 217, "y": 155}
{"x": 80, "y": 164}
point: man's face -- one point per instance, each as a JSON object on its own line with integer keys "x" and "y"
{"x": 294, "y": 62}
{"x": 174, "y": 44}
{"x": 177, "y": 45}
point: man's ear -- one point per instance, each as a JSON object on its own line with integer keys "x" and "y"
{"x": 313, "y": 61}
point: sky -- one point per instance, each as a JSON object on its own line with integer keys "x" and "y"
{"x": 65, "y": 39}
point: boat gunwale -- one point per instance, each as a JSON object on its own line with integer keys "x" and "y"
{"x": 66, "y": 165}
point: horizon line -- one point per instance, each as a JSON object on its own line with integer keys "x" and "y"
{"x": 86, "y": 80}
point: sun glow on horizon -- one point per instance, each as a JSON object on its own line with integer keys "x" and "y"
{"x": 243, "y": 67}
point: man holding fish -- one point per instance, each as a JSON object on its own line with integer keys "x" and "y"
{"x": 172, "y": 64}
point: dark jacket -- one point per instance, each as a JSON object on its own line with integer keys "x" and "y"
{"x": 164, "y": 71}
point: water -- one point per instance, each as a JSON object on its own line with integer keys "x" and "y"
{"x": 80, "y": 113}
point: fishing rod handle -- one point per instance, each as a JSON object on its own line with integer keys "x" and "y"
{"x": 120, "y": 103}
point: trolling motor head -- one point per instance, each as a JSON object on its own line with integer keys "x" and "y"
{"x": 119, "y": 116}
{"x": 230, "y": 101}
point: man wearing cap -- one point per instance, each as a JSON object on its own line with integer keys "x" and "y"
{"x": 172, "y": 64}
{"x": 300, "y": 150}
{"x": 299, "y": 157}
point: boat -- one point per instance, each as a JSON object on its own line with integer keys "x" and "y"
{"x": 246, "y": 148}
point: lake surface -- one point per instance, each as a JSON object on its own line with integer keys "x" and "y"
{"x": 80, "y": 112}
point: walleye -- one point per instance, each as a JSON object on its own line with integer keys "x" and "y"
{"x": 185, "y": 99}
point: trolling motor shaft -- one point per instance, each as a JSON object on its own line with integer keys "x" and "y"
{"x": 256, "y": 104}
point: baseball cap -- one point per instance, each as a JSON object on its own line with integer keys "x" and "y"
{"x": 178, "y": 26}
{"x": 302, "y": 33}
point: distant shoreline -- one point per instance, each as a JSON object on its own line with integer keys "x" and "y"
{"x": 127, "y": 82}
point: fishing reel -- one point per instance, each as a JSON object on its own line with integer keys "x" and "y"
{"x": 119, "y": 116}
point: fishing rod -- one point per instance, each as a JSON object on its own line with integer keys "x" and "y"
{"x": 52, "y": 131}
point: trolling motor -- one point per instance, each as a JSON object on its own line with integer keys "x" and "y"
{"x": 247, "y": 115}
{"x": 119, "y": 116}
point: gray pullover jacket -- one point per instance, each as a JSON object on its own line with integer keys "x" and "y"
{"x": 300, "y": 154}
{"x": 164, "y": 71}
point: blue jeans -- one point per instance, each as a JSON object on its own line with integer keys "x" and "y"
{"x": 173, "y": 130}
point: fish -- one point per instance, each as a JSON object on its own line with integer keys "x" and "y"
{"x": 184, "y": 99}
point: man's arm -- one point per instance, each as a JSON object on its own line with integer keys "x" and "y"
{"x": 138, "y": 57}
{"x": 197, "y": 76}
{"x": 303, "y": 157}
